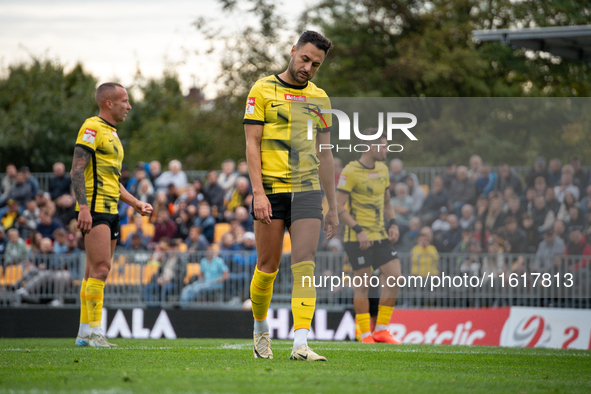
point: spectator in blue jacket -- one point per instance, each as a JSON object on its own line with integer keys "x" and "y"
{"x": 60, "y": 183}
{"x": 47, "y": 225}
{"x": 486, "y": 181}
{"x": 205, "y": 221}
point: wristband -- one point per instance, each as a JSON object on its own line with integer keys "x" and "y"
{"x": 357, "y": 228}
{"x": 393, "y": 222}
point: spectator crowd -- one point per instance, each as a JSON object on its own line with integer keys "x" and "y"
{"x": 494, "y": 218}
{"x": 487, "y": 215}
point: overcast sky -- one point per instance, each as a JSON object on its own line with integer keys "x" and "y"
{"x": 112, "y": 37}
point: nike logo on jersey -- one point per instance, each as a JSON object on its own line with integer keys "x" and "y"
{"x": 275, "y": 105}
{"x": 307, "y": 305}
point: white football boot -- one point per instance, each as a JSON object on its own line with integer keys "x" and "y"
{"x": 304, "y": 353}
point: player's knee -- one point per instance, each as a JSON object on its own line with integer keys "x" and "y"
{"x": 298, "y": 257}
{"x": 101, "y": 271}
{"x": 269, "y": 261}
{"x": 268, "y": 266}
{"x": 360, "y": 292}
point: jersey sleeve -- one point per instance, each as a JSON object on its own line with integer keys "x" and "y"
{"x": 255, "y": 106}
{"x": 346, "y": 181}
{"x": 88, "y": 137}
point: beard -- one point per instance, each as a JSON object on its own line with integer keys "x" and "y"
{"x": 294, "y": 73}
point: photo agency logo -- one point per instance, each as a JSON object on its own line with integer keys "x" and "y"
{"x": 344, "y": 135}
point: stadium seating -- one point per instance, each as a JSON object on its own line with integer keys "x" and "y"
{"x": 127, "y": 229}
{"x": 130, "y": 275}
{"x": 219, "y": 230}
{"x": 12, "y": 274}
{"x": 148, "y": 271}
{"x": 193, "y": 270}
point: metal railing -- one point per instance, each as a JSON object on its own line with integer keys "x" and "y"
{"x": 450, "y": 280}
{"x": 45, "y": 177}
{"x": 425, "y": 174}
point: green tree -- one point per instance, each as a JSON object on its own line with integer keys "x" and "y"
{"x": 165, "y": 125}
{"x": 412, "y": 48}
{"x": 41, "y": 110}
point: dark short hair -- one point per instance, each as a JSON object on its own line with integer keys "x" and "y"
{"x": 316, "y": 39}
{"x": 105, "y": 91}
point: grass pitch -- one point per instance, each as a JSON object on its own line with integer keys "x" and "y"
{"x": 227, "y": 366}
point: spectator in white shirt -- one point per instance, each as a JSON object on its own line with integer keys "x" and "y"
{"x": 174, "y": 175}
{"x": 227, "y": 179}
{"x": 566, "y": 186}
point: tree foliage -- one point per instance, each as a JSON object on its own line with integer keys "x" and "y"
{"x": 383, "y": 48}
{"x": 413, "y": 48}
{"x": 41, "y": 110}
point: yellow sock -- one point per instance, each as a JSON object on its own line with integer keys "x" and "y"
{"x": 303, "y": 297}
{"x": 363, "y": 321}
{"x": 94, "y": 301}
{"x": 384, "y": 314}
{"x": 83, "y": 308}
{"x": 261, "y": 291}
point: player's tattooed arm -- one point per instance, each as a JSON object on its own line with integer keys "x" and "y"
{"x": 81, "y": 160}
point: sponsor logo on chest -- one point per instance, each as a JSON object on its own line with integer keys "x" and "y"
{"x": 293, "y": 97}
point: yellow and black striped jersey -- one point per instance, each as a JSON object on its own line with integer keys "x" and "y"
{"x": 288, "y": 154}
{"x": 104, "y": 169}
{"x": 366, "y": 188}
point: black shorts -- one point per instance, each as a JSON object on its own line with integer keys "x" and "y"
{"x": 378, "y": 254}
{"x": 109, "y": 219}
{"x": 294, "y": 206}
